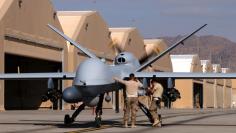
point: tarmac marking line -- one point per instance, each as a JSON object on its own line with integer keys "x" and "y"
{"x": 91, "y": 129}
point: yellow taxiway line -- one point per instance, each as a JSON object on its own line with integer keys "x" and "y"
{"x": 91, "y": 129}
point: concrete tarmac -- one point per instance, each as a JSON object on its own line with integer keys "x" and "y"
{"x": 174, "y": 120}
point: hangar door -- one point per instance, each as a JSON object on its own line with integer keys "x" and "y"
{"x": 197, "y": 95}
{"x": 26, "y": 94}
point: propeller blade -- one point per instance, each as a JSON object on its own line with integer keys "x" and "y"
{"x": 115, "y": 46}
{"x": 146, "y": 57}
{"x": 118, "y": 49}
{"x": 143, "y": 58}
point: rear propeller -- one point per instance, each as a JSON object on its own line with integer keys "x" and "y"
{"x": 146, "y": 56}
{"x": 114, "y": 45}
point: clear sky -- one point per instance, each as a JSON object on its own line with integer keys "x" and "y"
{"x": 155, "y": 18}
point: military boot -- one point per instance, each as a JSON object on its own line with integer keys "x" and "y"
{"x": 133, "y": 124}
{"x": 156, "y": 123}
{"x": 125, "y": 124}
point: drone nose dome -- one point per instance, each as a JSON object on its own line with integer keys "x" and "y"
{"x": 72, "y": 95}
{"x": 93, "y": 72}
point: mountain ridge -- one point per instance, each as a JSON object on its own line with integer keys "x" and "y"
{"x": 219, "y": 50}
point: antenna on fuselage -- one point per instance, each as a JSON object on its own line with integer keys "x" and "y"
{"x": 72, "y": 42}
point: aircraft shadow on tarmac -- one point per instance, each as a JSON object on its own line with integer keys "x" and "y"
{"x": 118, "y": 122}
{"x": 60, "y": 124}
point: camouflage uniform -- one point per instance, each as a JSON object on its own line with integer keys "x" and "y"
{"x": 156, "y": 91}
{"x": 131, "y": 99}
{"x": 130, "y": 106}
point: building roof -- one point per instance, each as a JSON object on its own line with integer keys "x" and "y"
{"x": 225, "y": 70}
{"x": 17, "y": 29}
{"x": 216, "y": 68}
{"x": 128, "y": 39}
{"x": 75, "y": 13}
{"x": 4, "y": 6}
{"x": 89, "y": 29}
{"x": 186, "y": 63}
{"x": 122, "y": 29}
{"x": 206, "y": 66}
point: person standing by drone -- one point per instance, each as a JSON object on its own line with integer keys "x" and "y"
{"x": 131, "y": 98}
{"x": 155, "y": 92}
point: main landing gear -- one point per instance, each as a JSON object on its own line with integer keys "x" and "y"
{"x": 98, "y": 119}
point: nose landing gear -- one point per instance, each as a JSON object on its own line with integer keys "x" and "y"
{"x": 98, "y": 118}
{"x": 69, "y": 120}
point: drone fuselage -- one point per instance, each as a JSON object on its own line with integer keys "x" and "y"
{"x": 94, "y": 77}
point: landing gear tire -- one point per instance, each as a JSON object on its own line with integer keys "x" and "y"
{"x": 44, "y": 98}
{"x": 98, "y": 122}
{"x": 68, "y": 120}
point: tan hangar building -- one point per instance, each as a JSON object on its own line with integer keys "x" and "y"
{"x": 227, "y": 90}
{"x": 233, "y": 104}
{"x": 213, "y": 93}
{"x": 127, "y": 39}
{"x": 28, "y": 45}
{"x": 188, "y": 88}
{"x": 208, "y": 85}
{"x": 218, "y": 88}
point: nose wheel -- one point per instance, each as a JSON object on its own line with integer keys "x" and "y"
{"x": 98, "y": 121}
{"x": 68, "y": 120}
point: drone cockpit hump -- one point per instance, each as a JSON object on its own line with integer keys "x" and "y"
{"x": 126, "y": 58}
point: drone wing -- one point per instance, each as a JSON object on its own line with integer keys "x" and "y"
{"x": 27, "y": 76}
{"x": 183, "y": 75}
{"x": 72, "y": 42}
{"x": 181, "y": 41}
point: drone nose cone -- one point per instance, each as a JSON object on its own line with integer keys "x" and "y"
{"x": 71, "y": 95}
{"x": 93, "y": 72}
